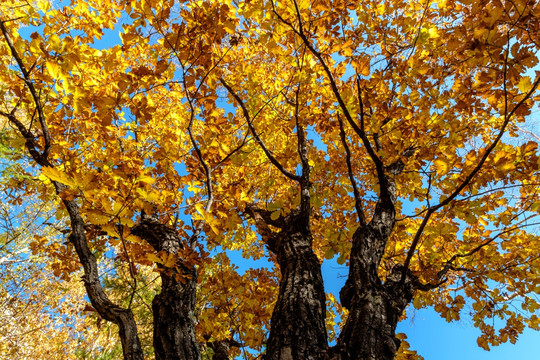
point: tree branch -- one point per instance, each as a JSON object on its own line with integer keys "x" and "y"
{"x": 267, "y": 152}
{"x": 207, "y": 171}
{"x": 489, "y": 149}
{"x": 305, "y": 185}
{"x": 357, "y": 200}
{"x": 384, "y": 191}
{"x": 30, "y": 84}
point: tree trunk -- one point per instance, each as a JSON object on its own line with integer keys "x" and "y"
{"x": 174, "y": 323}
{"x": 374, "y": 307}
{"x": 369, "y": 333}
{"x": 298, "y": 330}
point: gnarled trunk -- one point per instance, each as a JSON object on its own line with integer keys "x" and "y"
{"x": 298, "y": 330}
{"x": 374, "y": 306}
{"x": 374, "y": 311}
{"x": 172, "y": 308}
{"x": 174, "y": 325}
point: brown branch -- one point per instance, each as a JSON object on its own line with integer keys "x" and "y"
{"x": 30, "y": 84}
{"x": 234, "y": 151}
{"x": 357, "y": 199}
{"x": 472, "y": 174}
{"x": 131, "y": 346}
{"x": 267, "y": 152}
{"x": 208, "y": 172}
{"x": 449, "y": 264}
{"x": 305, "y": 185}
{"x": 384, "y": 186}
{"x": 130, "y": 264}
{"x": 28, "y": 136}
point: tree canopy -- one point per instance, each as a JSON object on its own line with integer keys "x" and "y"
{"x": 160, "y": 136}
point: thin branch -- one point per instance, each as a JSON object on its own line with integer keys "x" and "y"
{"x": 449, "y": 264}
{"x": 130, "y": 264}
{"x": 305, "y": 206}
{"x": 236, "y": 149}
{"x": 30, "y": 84}
{"x": 535, "y": 136}
{"x": 208, "y": 172}
{"x": 472, "y": 174}
{"x": 357, "y": 199}
{"x": 267, "y": 152}
{"x": 28, "y": 136}
{"x": 384, "y": 191}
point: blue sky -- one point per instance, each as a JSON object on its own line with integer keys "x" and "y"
{"x": 435, "y": 339}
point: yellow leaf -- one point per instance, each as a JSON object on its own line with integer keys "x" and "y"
{"x": 441, "y": 166}
{"x": 525, "y": 84}
{"x": 362, "y": 66}
{"x": 53, "y": 68}
{"x": 200, "y": 209}
{"x": 97, "y": 219}
{"x": 171, "y": 260}
{"x": 147, "y": 179}
{"x": 58, "y": 176}
{"x": 154, "y": 258}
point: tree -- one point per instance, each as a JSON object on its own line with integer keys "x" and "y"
{"x": 378, "y": 134}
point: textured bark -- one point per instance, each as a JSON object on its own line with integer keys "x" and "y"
{"x": 221, "y": 348}
{"x": 172, "y": 308}
{"x": 298, "y": 330}
{"x": 369, "y": 333}
{"x": 374, "y": 306}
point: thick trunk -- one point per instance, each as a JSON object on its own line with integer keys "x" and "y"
{"x": 374, "y": 306}
{"x": 174, "y": 324}
{"x": 369, "y": 333}
{"x": 298, "y": 330}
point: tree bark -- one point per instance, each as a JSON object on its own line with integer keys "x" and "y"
{"x": 172, "y": 308}
{"x": 298, "y": 330}
{"x": 374, "y": 311}
{"x": 374, "y": 306}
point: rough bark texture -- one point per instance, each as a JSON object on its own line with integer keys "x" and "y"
{"x": 374, "y": 311}
{"x": 221, "y": 348}
{"x": 374, "y": 306}
{"x": 298, "y": 330}
{"x": 174, "y": 324}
